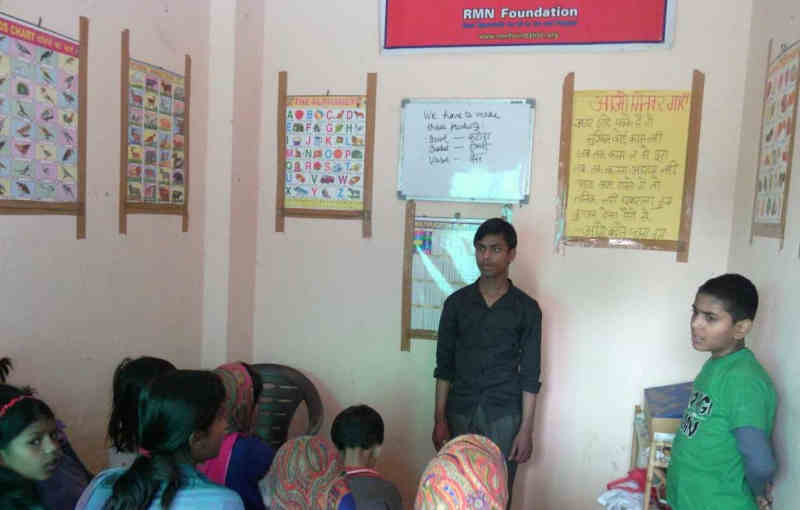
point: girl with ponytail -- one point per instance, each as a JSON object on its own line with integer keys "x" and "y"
{"x": 29, "y": 448}
{"x": 181, "y": 423}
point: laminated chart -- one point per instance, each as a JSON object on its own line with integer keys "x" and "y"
{"x": 776, "y": 146}
{"x": 156, "y": 171}
{"x": 39, "y": 79}
{"x": 325, "y": 152}
{"x": 443, "y": 262}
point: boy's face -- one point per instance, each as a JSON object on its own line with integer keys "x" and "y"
{"x": 713, "y": 329}
{"x": 493, "y": 255}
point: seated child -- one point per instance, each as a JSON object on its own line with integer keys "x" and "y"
{"x": 358, "y": 434}
{"x": 181, "y": 423}
{"x": 130, "y": 378}
{"x": 29, "y": 448}
{"x": 243, "y": 459}
{"x": 307, "y": 474}
{"x": 467, "y": 472}
{"x": 722, "y": 457}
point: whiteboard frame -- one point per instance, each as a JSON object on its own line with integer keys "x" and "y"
{"x": 526, "y": 185}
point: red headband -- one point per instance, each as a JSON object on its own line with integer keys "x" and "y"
{"x": 11, "y": 403}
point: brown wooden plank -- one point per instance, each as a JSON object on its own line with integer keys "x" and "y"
{"x": 66, "y": 207}
{"x": 690, "y": 175}
{"x": 142, "y": 208}
{"x": 565, "y": 145}
{"x": 423, "y": 334}
{"x": 187, "y": 92}
{"x": 280, "y": 171}
{"x": 35, "y": 211}
{"x": 372, "y": 88}
{"x": 83, "y": 77}
{"x": 123, "y": 131}
{"x": 408, "y": 257}
{"x": 324, "y": 214}
{"x": 760, "y": 138}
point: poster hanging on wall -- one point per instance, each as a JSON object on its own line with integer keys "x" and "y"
{"x": 325, "y": 149}
{"x": 154, "y": 139}
{"x": 42, "y": 121}
{"x": 419, "y": 26}
{"x": 156, "y": 135}
{"x": 776, "y": 144}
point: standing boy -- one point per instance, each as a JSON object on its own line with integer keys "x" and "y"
{"x": 488, "y": 354}
{"x": 722, "y": 457}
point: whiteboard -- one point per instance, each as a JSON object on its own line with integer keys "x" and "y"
{"x": 466, "y": 150}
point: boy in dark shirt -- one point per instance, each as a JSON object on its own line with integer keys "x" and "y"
{"x": 358, "y": 434}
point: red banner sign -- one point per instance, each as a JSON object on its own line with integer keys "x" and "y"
{"x": 410, "y": 25}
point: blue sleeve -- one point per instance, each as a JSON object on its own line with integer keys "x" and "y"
{"x": 758, "y": 457}
{"x": 347, "y": 503}
{"x": 250, "y": 462}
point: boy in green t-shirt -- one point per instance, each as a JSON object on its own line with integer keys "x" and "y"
{"x": 722, "y": 457}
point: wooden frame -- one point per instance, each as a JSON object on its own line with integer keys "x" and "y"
{"x": 125, "y": 207}
{"x": 774, "y": 230}
{"x": 281, "y": 211}
{"x": 77, "y": 208}
{"x": 680, "y": 246}
{"x": 411, "y": 224}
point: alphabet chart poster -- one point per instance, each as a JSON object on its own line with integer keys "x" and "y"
{"x": 776, "y": 146}
{"x": 156, "y": 135}
{"x": 39, "y": 80}
{"x": 325, "y": 152}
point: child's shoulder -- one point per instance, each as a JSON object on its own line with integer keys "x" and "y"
{"x": 745, "y": 369}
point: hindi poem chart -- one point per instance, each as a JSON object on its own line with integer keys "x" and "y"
{"x": 627, "y": 164}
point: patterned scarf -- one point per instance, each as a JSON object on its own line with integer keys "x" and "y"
{"x": 307, "y": 474}
{"x": 468, "y": 472}
{"x": 239, "y": 405}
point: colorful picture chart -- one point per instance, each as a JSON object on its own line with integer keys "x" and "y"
{"x": 777, "y": 135}
{"x": 325, "y": 148}
{"x": 627, "y": 164}
{"x": 443, "y": 262}
{"x": 38, "y": 114}
{"x": 156, "y": 131}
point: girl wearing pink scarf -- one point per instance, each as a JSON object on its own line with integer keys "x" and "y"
{"x": 243, "y": 459}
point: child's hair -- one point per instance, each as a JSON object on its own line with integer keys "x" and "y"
{"x": 497, "y": 226}
{"x": 18, "y": 409}
{"x": 171, "y": 408}
{"x": 258, "y": 382}
{"x": 5, "y": 368}
{"x": 738, "y": 295}
{"x": 130, "y": 378}
{"x": 357, "y": 427}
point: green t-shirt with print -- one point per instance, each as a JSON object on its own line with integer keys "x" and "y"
{"x": 707, "y": 471}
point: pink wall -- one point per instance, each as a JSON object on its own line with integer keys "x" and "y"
{"x": 775, "y": 271}
{"x": 615, "y": 322}
{"x": 72, "y": 309}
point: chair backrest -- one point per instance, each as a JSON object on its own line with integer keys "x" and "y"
{"x": 284, "y": 389}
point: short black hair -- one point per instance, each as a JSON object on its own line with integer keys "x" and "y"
{"x": 27, "y": 409}
{"x": 738, "y": 295}
{"x": 497, "y": 226}
{"x": 357, "y": 427}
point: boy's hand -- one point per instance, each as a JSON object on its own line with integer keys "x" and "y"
{"x": 441, "y": 434}
{"x": 522, "y": 447}
{"x": 765, "y": 502}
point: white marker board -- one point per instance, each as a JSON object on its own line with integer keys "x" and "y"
{"x": 466, "y": 150}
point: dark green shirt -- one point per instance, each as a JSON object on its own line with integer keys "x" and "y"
{"x": 489, "y": 355}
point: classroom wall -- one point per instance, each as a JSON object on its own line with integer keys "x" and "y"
{"x": 328, "y": 301}
{"x": 72, "y": 309}
{"x": 774, "y": 270}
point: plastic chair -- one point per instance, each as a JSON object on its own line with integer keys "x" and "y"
{"x": 284, "y": 389}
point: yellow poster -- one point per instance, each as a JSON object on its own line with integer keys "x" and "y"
{"x": 627, "y": 164}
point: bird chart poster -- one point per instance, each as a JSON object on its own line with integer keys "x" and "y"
{"x": 325, "y": 152}
{"x": 39, "y": 79}
{"x": 777, "y": 142}
{"x": 156, "y": 135}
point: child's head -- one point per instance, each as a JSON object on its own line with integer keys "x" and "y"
{"x": 723, "y": 314}
{"x": 130, "y": 378}
{"x": 28, "y": 435}
{"x": 358, "y": 428}
{"x": 180, "y": 422}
